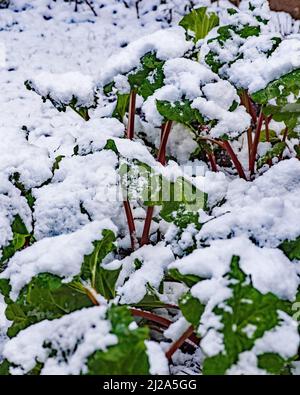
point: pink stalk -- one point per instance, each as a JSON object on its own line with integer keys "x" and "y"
{"x": 178, "y": 343}
{"x": 213, "y": 163}
{"x": 234, "y": 159}
{"x": 161, "y": 157}
{"x": 131, "y": 116}
{"x": 255, "y": 142}
{"x": 126, "y": 203}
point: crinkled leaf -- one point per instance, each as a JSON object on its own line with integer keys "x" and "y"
{"x": 148, "y": 77}
{"x": 180, "y": 112}
{"x": 102, "y": 280}
{"x": 246, "y": 307}
{"x": 274, "y": 364}
{"x": 117, "y": 359}
{"x": 275, "y": 152}
{"x": 45, "y": 297}
{"x": 191, "y": 309}
{"x": 279, "y": 89}
{"x": 188, "y": 279}
{"x": 20, "y": 236}
{"x": 121, "y": 106}
{"x": 291, "y": 248}
{"x": 199, "y": 22}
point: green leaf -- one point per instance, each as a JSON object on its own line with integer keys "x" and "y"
{"x": 129, "y": 356}
{"x": 287, "y": 113}
{"x": 56, "y": 163}
{"x": 200, "y": 22}
{"x": 188, "y": 279}
{"x": 184, "y": 203}
{"x": 102, "y": 280}
{"x": 247, "y": 307}
{"x": 15, "y": 179}
{"x": 20, "y": 236}
{"x": 150, "y": 301}
{"x": 291, "y": 248}
{"x": 148, "y": 77}
{"x": 122, "y": 106}
{"x": 273, "y": 136}
{"x": 191, "y": 309}
{"x": 274, "y": 152}
{"x": 111, "y": 145}
{"x": 273, "y": 363}
{"x": 45, "y": 297}
{"x": 180, "y": 112}
{"x": 279, "y": 89}
{"x": 4, "y": 368}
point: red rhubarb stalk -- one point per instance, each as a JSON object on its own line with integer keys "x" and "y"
{"x": 161, "y": 157}
{"x": 178, "y": 343}
{"x": 212, "y": 160}
{"x": 126, "y": 203}
{"x": 131, "y": 115}
{"x": 234, "y": 159}
{"x": 255, "y": 142}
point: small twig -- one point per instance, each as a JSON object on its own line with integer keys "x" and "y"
{"x": 176, "y": 345}
{"x": 91, "y": 7}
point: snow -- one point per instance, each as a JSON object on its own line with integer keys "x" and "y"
{"x": 63, "y": 88}
{"x": 283, "y": 340}
{"x": 266, "y": 210}
{"x": 157, "y": 359}
{"x": 89, "y": 181}
{"x": 82, "y": 333}
{"x": 166, "y": 44}
{"x": 11, "y": 204}
{"x": 132, "y": 282}
{"x": 255, "y": 74}
{"x": 188, "y": 79}
{"x": 269, "y": 268}
{"x": 177, "y": 329}
{"x": 61, "y": 255}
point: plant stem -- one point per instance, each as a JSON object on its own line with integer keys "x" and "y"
{"x": 130, "y": 222}
{"x": 161, "y": 157}
{"x": 212, "y": 160}
{"x": 285, "y": 134}
{"x": 255, "y": 142}
{"x": 126, "y": 203}
{"x": 178, "y": 343}
{"x": 219, "y": 143}
{"x": 131, "y": 115}
{"x": 166, "y": 129}
{"x": 250, "y": 143}
{"x": 247, "y": 102}
{"x": 145, "y": 237}
{"x": 234, "y": 159}
{"x": 162, "y": 321}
